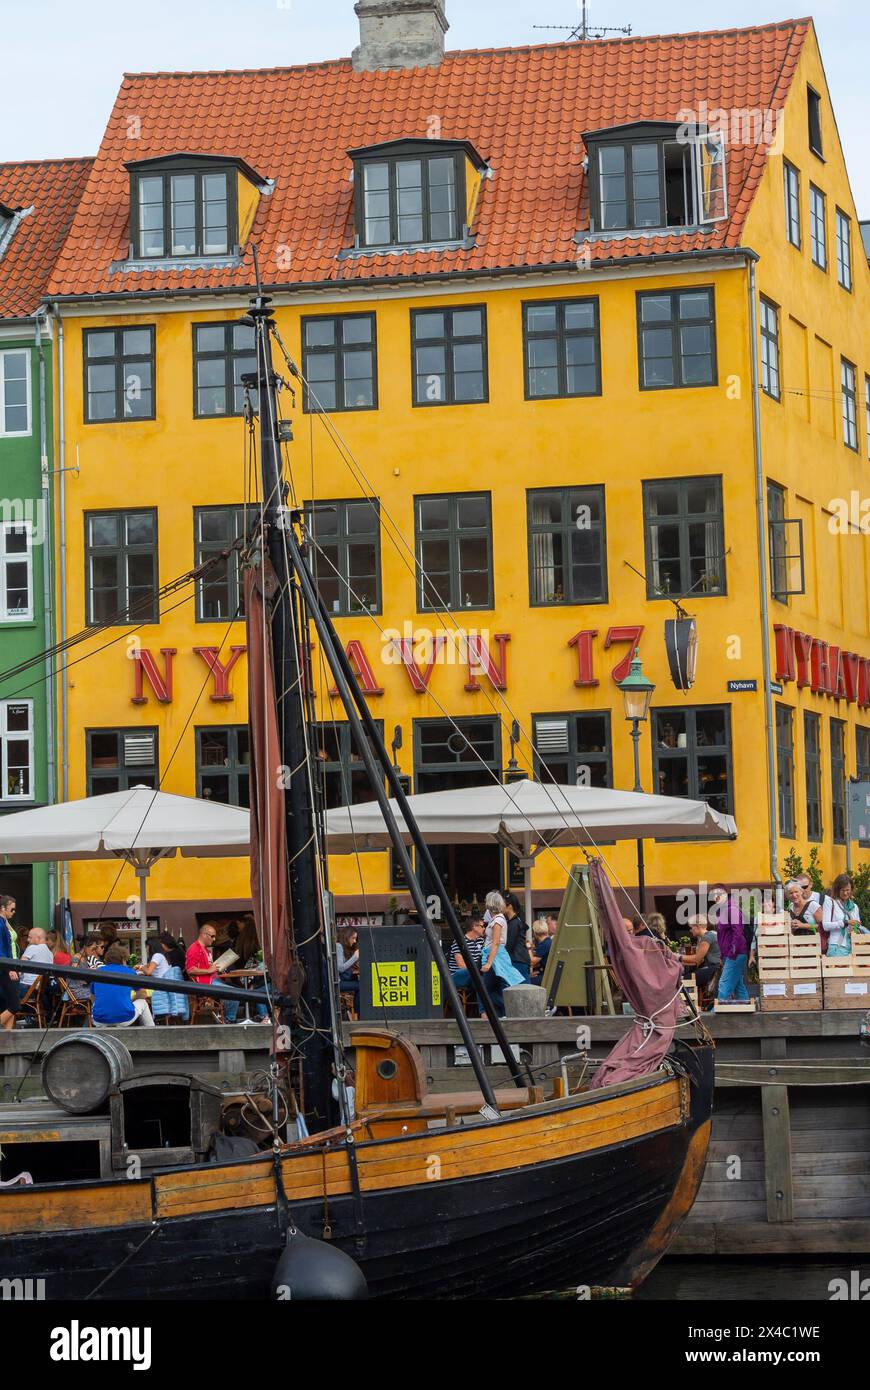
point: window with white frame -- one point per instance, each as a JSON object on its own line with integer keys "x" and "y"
{"x": 867, "y": 412}
{"x": 818, "y": 228}
{"x": 16, "y": 572}
{"x": 15, "y": 413}
{"x": 850, "y": 404}
{"x": 844, "y": 250}
{"x": 792, "y": 184}
{"x": 16, "y": 750}
{"x": 769, "y": 319}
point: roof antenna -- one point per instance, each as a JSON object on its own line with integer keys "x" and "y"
{"x": 584, "y": 30}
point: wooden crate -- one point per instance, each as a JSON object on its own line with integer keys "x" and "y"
{"x": 846, "y": 993}
{"x": 790, "y": 996}
{"x": 746, "y": 1008}
{"x": 860, "y": 956}
{"x": 805, "y": 946}
{"x": 772, "y": 928}
{"x": 805, "y": 968}
{"x": 773, "y": 953}
{"x": 841, "y": 967}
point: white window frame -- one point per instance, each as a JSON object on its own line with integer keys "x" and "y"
{"x": 867, "y": 411}
{"x": 16, "y": 558}
{"x": 771, "y": 381}
{"x": 818, "y": 227}
{"x": 710, "y": 179}
{"x": 15, "y": 434}
{"x": 844, "y": 249}
{"x": 849, "y": 403}
{"x": 17, "y": 736}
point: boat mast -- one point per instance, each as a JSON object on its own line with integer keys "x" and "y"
{"x": 289, "y": 630}
{"x": 290, "y": 565}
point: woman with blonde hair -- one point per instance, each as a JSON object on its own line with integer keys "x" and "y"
{"x": 497, "y": 968}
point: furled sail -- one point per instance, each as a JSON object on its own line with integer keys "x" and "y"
{"x": 650, "y": 977}
{"x": 268, "y": 831}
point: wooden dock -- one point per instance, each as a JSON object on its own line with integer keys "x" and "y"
{"x": 788, "y": 1171}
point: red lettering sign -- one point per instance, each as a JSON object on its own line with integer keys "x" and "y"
{"x": 803, "y": 647}
{"x": 146, "y": 668}
{"x": 419, "y": 676}
{"x": 480, "y": 662}
{"x": 362, "y": 669}
{"x": 821, "y": 668}
{"x": 220, "y": 672}
{"x": 583, "y": 642}
{"x": 837, "y": 679}
{"x": 631, "y": 635}
{"x": 785, "y": 662}
{"x": 851, "y": 673}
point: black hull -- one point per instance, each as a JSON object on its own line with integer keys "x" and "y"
{"x": 574, "y": 1221}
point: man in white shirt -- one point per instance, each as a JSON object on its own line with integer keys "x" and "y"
{"x": 38, "y": 950}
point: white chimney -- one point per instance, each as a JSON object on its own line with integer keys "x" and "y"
{"x": 399, "y": 34}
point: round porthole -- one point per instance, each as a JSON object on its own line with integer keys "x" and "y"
{"x": 457, "y": 743}
{"x": 387, "y": 1070}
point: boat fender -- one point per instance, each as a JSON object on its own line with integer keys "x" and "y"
{"x": 313, "y": 1271}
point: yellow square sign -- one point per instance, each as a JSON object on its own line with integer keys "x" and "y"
{"x": 394, "y": 984}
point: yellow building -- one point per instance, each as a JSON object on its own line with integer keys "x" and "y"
{"x": 587, "y": 323}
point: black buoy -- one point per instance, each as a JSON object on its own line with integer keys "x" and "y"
{"x": 315, "y": 1271}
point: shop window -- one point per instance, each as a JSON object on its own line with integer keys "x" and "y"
{"x": 16, "y": 750}
{"x": 346, "y": 556}
{"x": 685, "y": 537}
{"x": 573, "y": 749}
{"x": 118, "y": 759}
{"x": 692, "y": 754}
{"x": 454, "y": 551}
{"x": 121, "y": 567}
{"x": 813, "y": 774}
{"x": 223, "y": 765}
{"x": 222, "y": 352}
{"x": 119, "y": 374}
{"x": 567, "y": 546}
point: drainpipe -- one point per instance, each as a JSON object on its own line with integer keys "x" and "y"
{"x": 61, "y": 473}
{"x": 772, "y": 795}
{"x": 47, "y": 609}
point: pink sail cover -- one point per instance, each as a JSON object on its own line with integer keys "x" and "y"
{"x": 650, "y": 978}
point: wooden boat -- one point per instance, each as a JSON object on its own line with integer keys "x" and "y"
{"x": 431, "y": 1196}
{"x": 579, "y": 1190}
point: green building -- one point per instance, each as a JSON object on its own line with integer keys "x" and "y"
{"x": 37, "y": 202}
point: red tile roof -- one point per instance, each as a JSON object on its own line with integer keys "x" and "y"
{"x": 524, "y": 109}
{"x": 52, "y": 188}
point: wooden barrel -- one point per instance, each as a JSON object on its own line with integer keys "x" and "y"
{"x": 80, "y": 1070}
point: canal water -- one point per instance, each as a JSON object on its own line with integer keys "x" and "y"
{"x": 758, "y": 1280}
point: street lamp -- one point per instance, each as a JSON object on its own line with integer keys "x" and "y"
{"x": 637, "y": 693}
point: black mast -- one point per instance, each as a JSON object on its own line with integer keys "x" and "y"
{"x": 289, "y": 631}
{"x": 297, "y": 603}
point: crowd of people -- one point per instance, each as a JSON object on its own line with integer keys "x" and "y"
{"x": 143, "y": 1002}
{"x": 725, "y": 944}
{"x": 504, "y": 949}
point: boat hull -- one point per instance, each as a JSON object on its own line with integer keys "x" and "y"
{"x": 602, "y": 1215}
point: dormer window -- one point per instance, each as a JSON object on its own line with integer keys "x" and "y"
{"x": 647, "y": 176}
{"x": 414, "y": 193}
{"x": 186, "y": 205}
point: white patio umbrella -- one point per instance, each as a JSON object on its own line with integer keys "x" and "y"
{"x": 528, "y": 818}
{"x": 140, "y": 826}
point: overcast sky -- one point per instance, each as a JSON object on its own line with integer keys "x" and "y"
{"x": 62, "y": 62}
